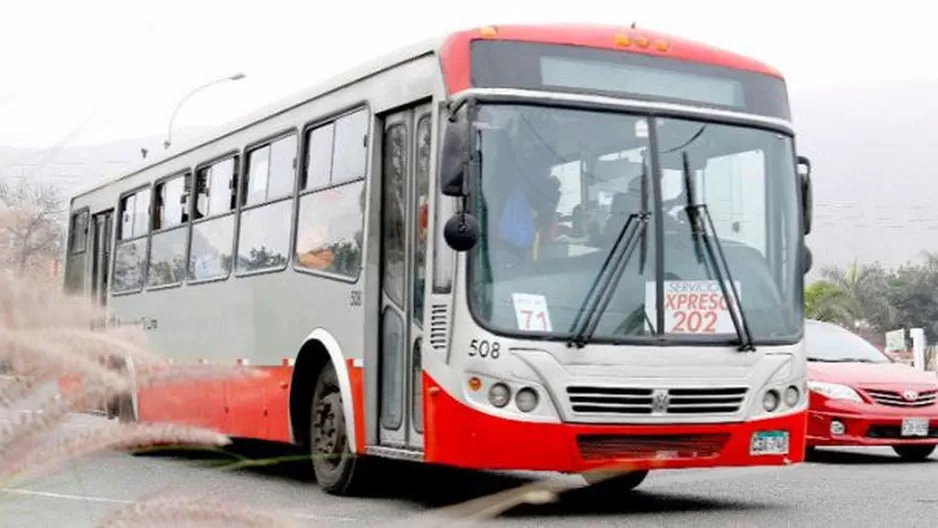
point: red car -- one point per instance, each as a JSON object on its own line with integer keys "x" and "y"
{"x": 861, "y": 397}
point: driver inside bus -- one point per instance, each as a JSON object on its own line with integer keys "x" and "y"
{"x": 528, "y": 217}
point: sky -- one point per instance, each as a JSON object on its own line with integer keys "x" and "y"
{"x": 81, "y": 73}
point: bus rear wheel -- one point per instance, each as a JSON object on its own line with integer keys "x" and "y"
{"x": 337, "y": 469}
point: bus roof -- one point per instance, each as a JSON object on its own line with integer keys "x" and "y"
{"x": 455, "y": 49}
{"x": 336, "y": 82}
{"x": 454, "y": 55}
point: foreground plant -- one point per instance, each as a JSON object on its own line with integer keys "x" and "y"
{"x": 47, "y": 336}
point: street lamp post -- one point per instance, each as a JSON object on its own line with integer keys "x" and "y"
{"x": 169, "y": 132}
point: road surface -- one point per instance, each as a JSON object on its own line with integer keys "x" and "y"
{"x": 841, "y": 488}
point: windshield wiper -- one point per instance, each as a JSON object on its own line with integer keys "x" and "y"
{"x": 714, "y": 248}
{"x": 600, "y": 292}
{"x": 607, "y": 280}
{"x": 842, "y": 360}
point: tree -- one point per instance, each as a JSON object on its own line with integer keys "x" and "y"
{"x": 31, "y": 225}
{"x": 825, "y": 301}
{"x": 913, "y": 292}
{"x": 864, "y": 289}
{"x": 878, "y": 300}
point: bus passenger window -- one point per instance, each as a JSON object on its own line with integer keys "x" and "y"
{"x": 130, "y": 253}
{"x": 271, "y": 170}
{"x": 215, "y": 187}
{"x": 351, "y": 147}
{"x": 171, "y": 199}
{"x": 319, "y": 157}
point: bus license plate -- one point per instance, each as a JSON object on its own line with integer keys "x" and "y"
{"x": 769, "y": 443}
{"x": 915, "y": 427}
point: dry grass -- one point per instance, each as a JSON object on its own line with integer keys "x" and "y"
{"x": 46, "y": 335}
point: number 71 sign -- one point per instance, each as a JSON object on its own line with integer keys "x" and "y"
{"x": 531, "y": 312}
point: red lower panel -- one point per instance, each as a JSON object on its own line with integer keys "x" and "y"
{"x": 461, "y": 436}
{"x": 248, "y": 408}
{"x": 357, "y": 383}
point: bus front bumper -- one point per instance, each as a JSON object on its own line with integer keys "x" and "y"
{"x": 459, "y": 435}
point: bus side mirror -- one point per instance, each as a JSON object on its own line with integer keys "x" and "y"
{"x": 808, "y": 259}
{"x": 455, "y": 159}
{"x": 461, "y": 231}
{"x": 807, "y": 199}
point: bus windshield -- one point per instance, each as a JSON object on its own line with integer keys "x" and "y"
{"x": 557, "y": 187}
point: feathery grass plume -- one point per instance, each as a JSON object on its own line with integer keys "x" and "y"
{"x": 180, "y": 511}
{"x": 20, "y": 436}
{"x": 37, "y": 355}
{"x": 490, "y": 506}
{"x": 165, "y": 374}
{"x": 46, "y": 335}
{"x": 50, "y": 455}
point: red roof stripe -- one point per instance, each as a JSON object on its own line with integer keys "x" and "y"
{"x": 454, "y": 54}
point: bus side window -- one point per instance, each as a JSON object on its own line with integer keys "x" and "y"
{"x": 267, "y": 207}
{"x": 213, "y": 225}
{"x": 330, "y": 221}
{"x": 130, "y": 253}
{"x": 77, "y": 244}
{"x": 170, "y": 236}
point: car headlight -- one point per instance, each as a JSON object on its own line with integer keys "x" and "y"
{"x": 835, "y": 391}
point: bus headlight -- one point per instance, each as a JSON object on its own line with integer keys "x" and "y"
{"x": 770, "y": 400}
{"x": 526, "y": 399}
{"x": 792, "y": 395}
{"x": 499, "y": 395}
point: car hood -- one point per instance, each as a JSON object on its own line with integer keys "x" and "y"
{"x": 869, "y": 373}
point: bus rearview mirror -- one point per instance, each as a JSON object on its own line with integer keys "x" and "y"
{"x": 808, "y": 259}
{"x": 461, "y": 231}
{"x": 807, "y": 198}
{"x": 455, "y": 159}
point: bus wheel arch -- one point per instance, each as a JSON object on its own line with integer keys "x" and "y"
{"x": 318, "y": 350}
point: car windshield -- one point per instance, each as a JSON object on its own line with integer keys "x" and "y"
{"x": 558, "y": 186}
{"x": 827, "y": 342}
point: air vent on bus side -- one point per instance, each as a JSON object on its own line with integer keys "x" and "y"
{"x": 439, "y": 322}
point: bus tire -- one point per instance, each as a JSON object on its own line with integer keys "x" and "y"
{"x": 914, "y": 453}
{"x": 337, "y": 469}
{"x": 624, "y": 483}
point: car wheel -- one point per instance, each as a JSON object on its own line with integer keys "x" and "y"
{"x": 623, "y": 483}
{"x": 914, "y": 453}
{"x": 337, "y": 469}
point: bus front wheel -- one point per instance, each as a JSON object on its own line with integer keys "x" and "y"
{"x": 337, "y": 469}
{"x": 626, "y": 482}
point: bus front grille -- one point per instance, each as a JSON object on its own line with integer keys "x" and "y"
{"x": 618, "y": 401}
{"x": 602, "y": 447}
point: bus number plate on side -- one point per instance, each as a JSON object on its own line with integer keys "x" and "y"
{"x": 485, "y": 349}
{"x": 769, "y": 443}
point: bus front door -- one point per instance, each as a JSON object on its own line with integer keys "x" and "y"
{"x": 405, "y": 194}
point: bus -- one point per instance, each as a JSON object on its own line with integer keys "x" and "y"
{"x": 541, "y": 248}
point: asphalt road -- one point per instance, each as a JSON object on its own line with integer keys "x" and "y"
{"x": 841, "y": 488}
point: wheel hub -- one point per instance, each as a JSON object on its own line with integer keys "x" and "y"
{"x": 326, "y": 440}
